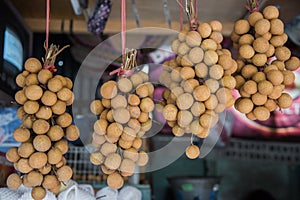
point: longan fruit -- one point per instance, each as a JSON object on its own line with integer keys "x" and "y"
{"x": 189, "y": 85}
{"x": 183, "y": 49}
{"x": 206, "y": 120}
{"x": 225, "y": 61}
{"x": 285, "y": 100}
{"x": 119, "y": 101}
{"x": 170, "y": 112}
{"x": 59, "y": 107}
{"x": 124, "y": 85}
{"x": 72, "y": 133}
{"x": 193, "y": 39}
{"x": 25, "y": 149}
{"x": 262, "y": 26}
{"x": 64, "y": 173}
{"x": 279, "y": 64}
{"x": 216, "y": 25}
{"x": 35, "y": 178}
{"x": 125, "y": 144}
{"x": 54, "y": 156}
{"x": 62, "y": 145}
{"x": 54, "y": 84}
{"x": 37, "y": 160}
{"x": 44, "y": 112}
{"x": 38, "y": 193}
{"x": 31, "y": 107}
{"x": 12, "y": 154}
{"x": 259, "y": 76}
{"x": 261, "y": 113}
{"x": 277, "y": 90}
{"x": 64, "y": 94}
{"x": 282, "y": 53}
{"x": 20, "y": 80}
{"x": 28, "y": 121}
{"x": 277, "y": 41}
{"x": 108, "y": 90}
{"x": 24, "y": 166}
{"x": 32, "y": 65}
{"x": 20, "y": 97}
{"x": 121, "y": 115}
{"x": 205, "y": 30}
{"x": 265, "y": 87}
{"x": 277, "y": 27}
{"x": 246, "y": 51}
{"x": 13, "y": 181}
{"x": 234, "y": 37}
{"x": 96, "y": 158}
{"x": 192, "y": 151}
{"x": 259, "y": 99}
{"x": 196, "y": 55}
{"x": 275, "y": 77}
{"x": 184, "y": 101}
{"x": 113, "y": 161}
{"x": 288, "y": 77}
{"x": 254, "y": 17}
{"x": 44, "y": 76}
{"x": 209, "y": 44}
{"x": 270, "y": 52}
{"x": 31, "y": 79}
{"x": 201, "y": 70}
{"x": 108, "y": 148}
{"x": 271, "y": 105}
{"x": 244, "y": 105}
{"x": 259, "y": 59}
{"x": 174, "y": 46}
{"x": 212, "y": 84}
{"x": 106, "y": 171}
{"x": 261, "y": 45}
{"x": 49, "y": 98}
{"x": 292, "y": 64}
{"x": 269, "y": 68}
{"x": 246, "y": 39}
{"x": 248, "y": 71}
{"x": 64, "y": 120}
{"x": 127, "y": 167}
{"x": 133, "y": 100}
{"x": 218, "y": 37}
{"x": 210, "y": 57}
{"x": 131, "y": 154}
{"x": 212, "y": 102}
{"x": 136, "y": 79}
{"x": 42, "y": 143}
{"x": 239, "y": 81}
{"x": 40, "y": 126}
{"x": 50, "y": 181}
{"x": 241, "y": 26}
{"x": 106, "y": 103}
{"x": 147, "y": 105}
{"x": 271, "y": 12}
{"x": 223, "y": 95}
{"x": 185, "y": 61}
{"x": 228, "y": 81}
{"x": 55, "y": 133}
{"x": 21, "y": 134}
{"x": 178, "y": 131}
{"x": 115, "y": 180}
{"x": 98, "y": 140}
{"x": 184, "y": 118}
{"x": 143, "y": 159}
{"x": 201, "y": 93}
{"x": 134, "y": 111}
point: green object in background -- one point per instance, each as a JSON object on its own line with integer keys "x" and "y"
{"x": 187, "y": 187}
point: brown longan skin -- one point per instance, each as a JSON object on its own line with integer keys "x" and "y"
{"x": 33, "y": 65}
{"x": 13, "y": 181}
{"x": 192, "y": 152}
{"x": 64, "y": 173}
{"x": 115, "y": 180}
{"x": 38, "y": 193}
{"x": 12, "y": 154}
{"x": 21, "y": 134}
{"x": 241, "y": 26}
{"x": 50, "y": 181}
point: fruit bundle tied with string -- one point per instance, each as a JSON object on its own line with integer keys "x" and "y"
{"x": 265, "y": 65}
{"x": 123, "y": 118}
{"x": 199, "y": 81}
{"x": 46, "y": 127}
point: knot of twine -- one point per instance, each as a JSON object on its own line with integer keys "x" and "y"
{"x": 51, "y": 68}
{"x": 252, "y": 6}
{"x": 122, "y": 72}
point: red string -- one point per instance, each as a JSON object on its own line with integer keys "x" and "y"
{"x": 123, "y": 28}
{"x": 193, "y": 22}
{"x": 47, "y": 23}
{"x": 181, "y": 14}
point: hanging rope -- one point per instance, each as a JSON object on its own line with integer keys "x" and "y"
{"x": 123, "y": 28}
{"x": 181, "y": 14}
{"x": 47, "y": 22}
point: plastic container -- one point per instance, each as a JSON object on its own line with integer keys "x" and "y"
{"x": 194, "y": 187}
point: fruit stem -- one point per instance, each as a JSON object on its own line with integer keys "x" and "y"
{"x": 51, "y": 54}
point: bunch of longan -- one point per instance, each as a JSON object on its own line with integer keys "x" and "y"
{"x": 45, "y": 129}
{"x": 265, "y": 65}
{"x": 123, "y": 111}
{"x": 199, "y": 82}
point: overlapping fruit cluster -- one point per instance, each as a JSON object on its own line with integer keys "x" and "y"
{"x": 123, "y": 112}
{"x": 198, "y": 81}
{"x": 45, "y": 130}
{"x": 265, "y": 65}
